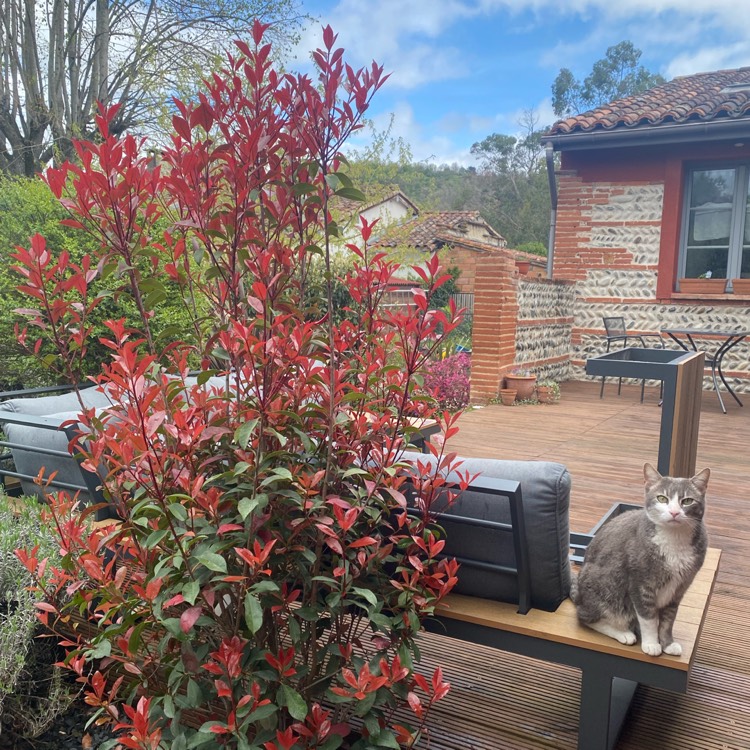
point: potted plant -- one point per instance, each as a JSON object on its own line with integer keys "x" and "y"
{"x": 741, "y": 286}
{"x": 523, "y": 267}
{"x": 704, "y": 284}
{"x": 508, "y": 396}
{"x": 523, "y": 381}
{"x": 547, "y": 391}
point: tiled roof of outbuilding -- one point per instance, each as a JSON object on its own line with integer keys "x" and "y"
{"x": 723, "y": 94}
{"x": 430, "y": 227}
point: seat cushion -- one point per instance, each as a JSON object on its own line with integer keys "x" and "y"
{"x": 31, "y": 461}
{"x": 545, "y": 489}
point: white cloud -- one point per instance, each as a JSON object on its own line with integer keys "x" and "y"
{"x": 710, "y": 58}
{"x": 402, "y": 35}
{"x": 426, "y": 140}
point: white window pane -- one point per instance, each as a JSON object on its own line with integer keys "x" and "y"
{"x": 714, "y": 186}
{"x": 710, "y": 224}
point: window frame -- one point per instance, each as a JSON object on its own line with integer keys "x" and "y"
{"x": 737, "y": 221}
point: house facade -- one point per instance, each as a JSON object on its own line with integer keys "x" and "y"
{"x": 654, "y": 189}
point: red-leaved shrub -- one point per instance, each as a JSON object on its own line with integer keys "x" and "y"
{"x": 266, "y": 583}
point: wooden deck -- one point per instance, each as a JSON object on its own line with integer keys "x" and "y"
{"x": 501, "y": 701}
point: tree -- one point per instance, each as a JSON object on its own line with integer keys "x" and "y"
{"x": 515, "y": 194}
{"x": 57, "y": 61}
{"x": 615, "y": 76}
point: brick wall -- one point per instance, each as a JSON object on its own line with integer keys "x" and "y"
{"x": 466, "y": 261}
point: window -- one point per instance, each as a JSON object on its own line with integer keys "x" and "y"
{"x": 716, "y": 232}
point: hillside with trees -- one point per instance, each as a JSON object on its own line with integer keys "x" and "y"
{"x": 509, "y": 185}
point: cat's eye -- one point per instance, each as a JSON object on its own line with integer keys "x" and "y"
{"x": 686, "y": 501}
{"x": 662, "y": 499}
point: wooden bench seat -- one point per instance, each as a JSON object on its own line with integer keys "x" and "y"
{"x": 610, "y": 670}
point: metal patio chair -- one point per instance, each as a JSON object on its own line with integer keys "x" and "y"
{"x": 617, "y": 332}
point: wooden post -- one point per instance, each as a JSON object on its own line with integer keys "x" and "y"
{"x": 681, "y": 416}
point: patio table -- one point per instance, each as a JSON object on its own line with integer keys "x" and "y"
{"x": 684, "y": 337}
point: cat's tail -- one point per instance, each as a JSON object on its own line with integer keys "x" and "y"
{"x": 574, "y": 587}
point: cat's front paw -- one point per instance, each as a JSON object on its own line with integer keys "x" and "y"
{"x": 626, "y": 637}
{"x": 652, "y": 649}
{"x": 673, "y": 649}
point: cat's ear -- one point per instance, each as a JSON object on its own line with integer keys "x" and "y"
{"x": 701, "y": 480}
{"x": 650, "y": 474}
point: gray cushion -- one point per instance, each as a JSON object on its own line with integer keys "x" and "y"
{"x": 43, "y": 406}
{"x": 64, "y": 407}
{"x": 30, "y": 462}
{"x": 545, "y": 489}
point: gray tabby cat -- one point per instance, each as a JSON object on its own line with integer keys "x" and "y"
{"x": 639, "y": 565}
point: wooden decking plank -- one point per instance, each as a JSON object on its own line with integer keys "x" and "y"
{"x": 604, "y": 443}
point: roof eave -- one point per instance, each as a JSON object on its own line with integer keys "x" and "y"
{"x": 652, "y": 135}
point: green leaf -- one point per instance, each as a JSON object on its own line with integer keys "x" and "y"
{"x": 244, "y": 432}
{"x": 178, "y": 511}
{"x": 190, "y": 591}
{"x": 262, "y": 712}
{"x": 303, "y": 188}
{"x": 212, "y": 561}
{"x": 203, "y": 737}
{"x": 351, "y": 194}
{"x": 195, "y": 695}
{"x": 253, "y": 613}
{"x": 386, "y": 738}
{"x": 294, "y": 702}
{"x": 364, "y": 706}
{"x": 247, "y": 505}
{"x": 169, "y": 709}
{"x": 332, "y": 743}
{"x": 102, "y": 649}
{"x": 203, "y": 377}
{"x": 366, "y": 594}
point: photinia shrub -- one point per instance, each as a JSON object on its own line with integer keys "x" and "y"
{"x": 266, "y": 582}
{"x": 448, "y": 380}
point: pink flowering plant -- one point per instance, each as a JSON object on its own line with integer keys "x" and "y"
{"x": 447, "y": 380}
{"x": 265, "y": 585}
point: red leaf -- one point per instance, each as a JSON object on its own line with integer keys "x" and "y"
{"x": 188, "y": 618}
{"x": 181, "y": 126}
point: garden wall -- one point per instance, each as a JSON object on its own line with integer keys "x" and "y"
{"x": 518, "y": 322}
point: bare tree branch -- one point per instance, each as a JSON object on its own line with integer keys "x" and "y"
{"x": 59, "y": 57}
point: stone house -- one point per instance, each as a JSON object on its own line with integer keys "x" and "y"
{"x": 652, "y": 189}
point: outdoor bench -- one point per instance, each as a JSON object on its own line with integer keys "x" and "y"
{"x": 610, "y": 671}
{"x": 498, "y": 612}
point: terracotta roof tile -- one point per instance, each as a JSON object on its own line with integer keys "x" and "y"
{"x": 703, "y": 97}
{"x": 438, "y": 227}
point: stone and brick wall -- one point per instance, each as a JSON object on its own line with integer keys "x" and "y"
{"x": 617, "y": 241}
{"x": 518, "y": 322}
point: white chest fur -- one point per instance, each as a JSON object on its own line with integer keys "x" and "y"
{"x": 677, "y": 550}
{"x": 675, "y": 545}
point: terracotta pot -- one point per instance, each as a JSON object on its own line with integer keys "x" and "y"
{"x": 544, "y": 394}
{"x": 508, "y": 396}
{"x": 523, "y": 266}
{"x": 703, "y": 286}
{"x": 524, "y": 385}
{"x": 741, "y": 286}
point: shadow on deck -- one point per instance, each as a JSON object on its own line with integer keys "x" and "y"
{"x": 501, "y": 701}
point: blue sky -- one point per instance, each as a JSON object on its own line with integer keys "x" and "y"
{"x": 463, "y": 69}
